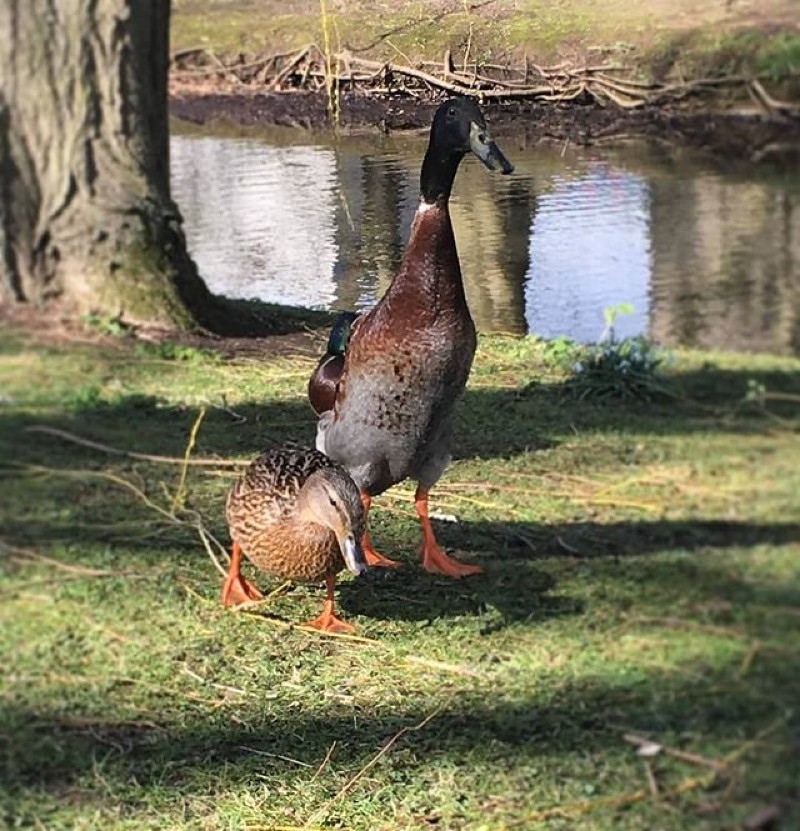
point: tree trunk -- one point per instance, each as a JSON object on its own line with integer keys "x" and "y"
{"x": 85, "y": 207}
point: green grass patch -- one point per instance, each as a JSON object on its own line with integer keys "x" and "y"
{"x": 642, "y": 577}
{"x": 713, "y": 52}
{"x": 779, "y": 57}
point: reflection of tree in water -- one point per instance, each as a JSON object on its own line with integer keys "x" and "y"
{"x": 370, "y": 227}
{"x": 726, "y": 263}
{"x": 382, "y": 244}
{"x": 492, "y": 223}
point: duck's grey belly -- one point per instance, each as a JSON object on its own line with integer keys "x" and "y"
{"x": 395, "y": 418}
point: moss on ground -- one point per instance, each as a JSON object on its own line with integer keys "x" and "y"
{"x": 642, "y": 577}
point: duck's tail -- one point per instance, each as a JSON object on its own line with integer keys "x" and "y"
{"x": 325, "y": 378}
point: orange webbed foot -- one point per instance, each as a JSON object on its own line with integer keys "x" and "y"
{"x": 433, "y": 556}
{"x": 435, "y": 560}
{"x": 329, "y": 622}
{"x": 373, "y": 558}
{"x": 237, "y": 589}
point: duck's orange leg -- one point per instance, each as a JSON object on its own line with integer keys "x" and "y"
{"x": 236, "y": 588}
{"x": 372, "y": 557}
{"x": 328, "y": 621}
{"x": 433, "y": 555}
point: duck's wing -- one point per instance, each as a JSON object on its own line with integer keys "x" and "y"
{"x": 267, "y": 492}
{"x": 325, "y": 378}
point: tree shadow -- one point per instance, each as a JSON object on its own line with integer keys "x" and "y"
{"x": 492, "y": 423}
{"x": 576, "y": 723}
{"x": 515, "y": 586}
{"x": 503, "y": 594}
{"x": 227, "y": 317}
{"x": 500, "y": 423}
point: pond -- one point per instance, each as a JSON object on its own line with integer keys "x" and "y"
{"x": 708, "y": 254}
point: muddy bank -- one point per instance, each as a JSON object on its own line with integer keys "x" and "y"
{"x": 746, "y": 135}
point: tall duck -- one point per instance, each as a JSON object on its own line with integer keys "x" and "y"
{"x": 386, "y": 410}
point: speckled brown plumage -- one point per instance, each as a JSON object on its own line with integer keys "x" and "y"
{"x": 406, "y": 366}
{"x": 263, "y": 516}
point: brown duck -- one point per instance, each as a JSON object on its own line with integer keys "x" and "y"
{"x": 387, "y": 388}
{"x": 297, "y": 514}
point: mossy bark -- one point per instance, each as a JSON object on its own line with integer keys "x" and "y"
{"x": 85, "y": 207}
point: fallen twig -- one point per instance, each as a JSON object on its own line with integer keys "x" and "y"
{"x": 224, "y": 687}
{"x": 684, "y": 755}
{"x": 290, "y": 67}
{"x": 310, "y": 630}
{"x": 82, "y": 571}
{"x": 131, "y": 454}
{"x": 585, "y": 806}
{"x": 275, "y": 756}
{"x": 180, "y": 493}
{"x": 770, "y": 104}
{"x": 206, "y": 538}
{"x": 323, "y": 764}
{"x": 372, "y": 762}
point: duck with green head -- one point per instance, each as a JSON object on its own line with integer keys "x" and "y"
{"x": 386, "y": 405}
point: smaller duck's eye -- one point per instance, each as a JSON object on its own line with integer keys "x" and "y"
{"x": 332, "y": 501}
{"x": 482, "y": 137}
{"x": 451, "y": 111}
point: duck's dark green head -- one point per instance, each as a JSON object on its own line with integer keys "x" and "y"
{"x": 458, "y": 128}
{"x": 340, "y": 333}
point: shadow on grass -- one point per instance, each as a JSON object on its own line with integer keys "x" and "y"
{"x": 515, "y": 586}
{"x": 571, "y": 729}
{"x": 503, "y": 423}
{"x": 255, "y": 319}
{"x": 492, "y": 423}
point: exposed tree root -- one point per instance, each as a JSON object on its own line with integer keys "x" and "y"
{"x": 311, "y": 69}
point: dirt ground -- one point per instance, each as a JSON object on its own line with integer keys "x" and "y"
{"x": 272, "y": 331}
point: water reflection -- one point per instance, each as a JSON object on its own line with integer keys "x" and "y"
{"x": 260, "y": 219}
{"x": 727, "y": 264}
{"x": 589, "y": 249}
{"x": 707, "y": 258}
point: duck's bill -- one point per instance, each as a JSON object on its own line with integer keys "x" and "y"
{"x": 353, "y": 555}
{"x": 485, "y": 148}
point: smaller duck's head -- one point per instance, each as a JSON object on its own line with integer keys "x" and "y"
{"x": 459, "y": 127}
{"x": 329, "y": 497}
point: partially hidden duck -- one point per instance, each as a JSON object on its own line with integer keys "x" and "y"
{"x": 387, "y": 388}
{"x": 296, "y": 514}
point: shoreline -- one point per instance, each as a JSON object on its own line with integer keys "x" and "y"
{"x": 743, "y": 134}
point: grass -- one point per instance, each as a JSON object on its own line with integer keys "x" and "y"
{"x": 681, "y": 39}
{"x": 642, "y": 577}
{"x": 709, "y": 52}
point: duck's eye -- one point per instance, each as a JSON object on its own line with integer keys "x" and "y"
{"x": 451, "y": 111}
{"x": 481, "y": 137}
{"x": 332, "y": 501}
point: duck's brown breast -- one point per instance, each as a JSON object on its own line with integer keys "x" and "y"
{"x": 301, "y": 551}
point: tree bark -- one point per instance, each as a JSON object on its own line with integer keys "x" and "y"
{"x": 85, "y": 207}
